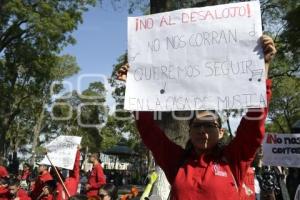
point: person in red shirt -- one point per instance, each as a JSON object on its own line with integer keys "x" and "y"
{"x": 205, "y": 169}
{"x": 96, "y": 178}
{"x": 24, "y": 176}
{"x": 17, "y": 193}
{"x": 71, "y": 182}
{"x": 39, "y": 184}
{"x": 48, "y": 191}
{"x": 25, "y": 172}
{"x": 3, "y": 172}
{"x": 4, "y": 192}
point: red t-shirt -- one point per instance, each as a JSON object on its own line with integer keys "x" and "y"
{"x": 96, "y": 180}
{"x": 40, "y": 183}
{"x": 4, "y": 193}
{"x": 3, "y": 172}
{"x": 25, "y": 174}
{"x": 203, "y": 176}
{"x": 22, "y": 194}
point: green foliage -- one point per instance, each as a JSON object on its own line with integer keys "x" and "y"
{"x": 285, "y": 105}
{"x": 291, "y": 34}
{"x": 285, "y": 69}
{"x": 83, "y": 115}
{"x": 123, "y": 120}
{"x": 32, "y": 35}
{"x": 131, "y": 5}
{"x": 110, "y": 133}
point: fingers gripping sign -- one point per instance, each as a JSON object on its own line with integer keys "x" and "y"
{"x": 269, "y": 48}
{"x": 269, "y": 51}
{"x": 122, "y": 72}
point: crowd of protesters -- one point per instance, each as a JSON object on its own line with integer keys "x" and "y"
{"x": 205, "y": 169}
{"x": 261, "y": 182}
{"x": 49, "y": 183}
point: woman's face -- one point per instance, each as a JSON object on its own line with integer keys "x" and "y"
{"x": 104, "y": 195}
{"x": 92, "y": 158}
{"x": 205, "y": 132}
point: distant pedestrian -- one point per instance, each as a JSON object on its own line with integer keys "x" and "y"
{"x": 96, "y": 178}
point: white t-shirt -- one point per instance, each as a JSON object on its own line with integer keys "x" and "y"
{"x": 256, "y": 186}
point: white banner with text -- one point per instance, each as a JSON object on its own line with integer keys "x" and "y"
{"x": 62, "y": 151}
{"x": 196, "y": 59}
{"x": 281, "y": 150}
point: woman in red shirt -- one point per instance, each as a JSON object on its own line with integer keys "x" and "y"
{"x": 25, "y": 172}
{"x": 204, "y": 170}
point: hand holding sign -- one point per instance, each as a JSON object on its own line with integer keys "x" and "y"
{"x": 269, "y": 48}
{"x": 269, "y": 51}
{"x": 122, "y": 72}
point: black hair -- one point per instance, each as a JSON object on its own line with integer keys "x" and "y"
{"x": 14, "y": 182}
{"x": 27, "y": 164}
{"x": 187, "y": 151}
{"x": 96, "y": 155}
{"x": 33, "y": 176}
{"x": 3, "y": 181}
{"x": 51, "y": 184}
{"x": 62, "y": 173}
{"x": 216, "y": 152}
{"x": 111, "y": 190}
{"x": 43, "y": 165}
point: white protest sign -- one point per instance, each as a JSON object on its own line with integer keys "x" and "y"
{"x": 282, "y": 150}
{"x": 62, "y": 151}
{"x": 196, "y": 58}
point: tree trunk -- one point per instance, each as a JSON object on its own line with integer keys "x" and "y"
{"x": 36, "y": 134}
{"x": 3, "y": 142}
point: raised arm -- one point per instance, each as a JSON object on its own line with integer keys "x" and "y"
{"x": 166, "y": 153}
{"x": 75, "y": 173}
{"x": 250, "y": 133}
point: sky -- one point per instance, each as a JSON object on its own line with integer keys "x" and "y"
{"x": 100, "y": 40}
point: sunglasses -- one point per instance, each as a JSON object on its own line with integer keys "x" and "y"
{"x": 205, "y": 126}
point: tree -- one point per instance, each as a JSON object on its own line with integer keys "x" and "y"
{"x": 285, "y": 107}
{"x": 32, "y": 35}
{"x": 82, "y": 115}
